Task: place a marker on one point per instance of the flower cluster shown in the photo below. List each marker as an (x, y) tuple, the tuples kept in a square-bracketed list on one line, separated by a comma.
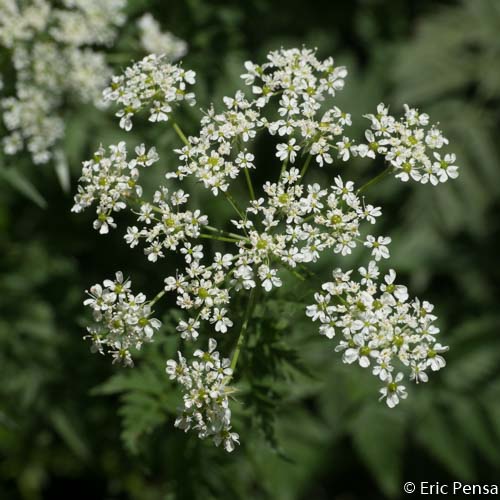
[(206, 398), (379, 326), (123, 320), (165, 226), (276, 231), (285, 224), (111, 180), (155, 41), (51, 53), (407, 144), (302, 82), (58, 51), (152, 83)]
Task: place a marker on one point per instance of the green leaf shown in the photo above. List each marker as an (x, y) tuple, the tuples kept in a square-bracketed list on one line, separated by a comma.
[(474, 426), (65, 428), (141, 414), (378, 435), (62, 171), (23, 185), (143, 379), (439, 438), (472, 367)]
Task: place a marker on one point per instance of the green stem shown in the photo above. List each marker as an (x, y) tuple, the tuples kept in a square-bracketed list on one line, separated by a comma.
[(180, 133), (342, 300), (157, 298), (295, 273), (305, 167), (119, 58), (233, 204), (376, 179), (244, 327), (218, 238), (249, 183), (224, 233), (283, 167)]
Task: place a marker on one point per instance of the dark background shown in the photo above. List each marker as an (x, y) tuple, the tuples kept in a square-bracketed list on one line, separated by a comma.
[(59, 436)]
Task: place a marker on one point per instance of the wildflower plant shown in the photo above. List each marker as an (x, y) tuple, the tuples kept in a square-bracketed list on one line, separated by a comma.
[(274, 233), (59, 52)]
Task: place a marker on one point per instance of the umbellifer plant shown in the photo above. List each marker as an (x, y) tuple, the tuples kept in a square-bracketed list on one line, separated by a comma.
[(276, 231)]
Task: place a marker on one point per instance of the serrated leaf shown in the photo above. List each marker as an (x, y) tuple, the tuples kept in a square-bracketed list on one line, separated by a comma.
[(141, 414)]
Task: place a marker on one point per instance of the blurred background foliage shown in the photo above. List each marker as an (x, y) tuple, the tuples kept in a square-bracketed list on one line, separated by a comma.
[(70, 424)]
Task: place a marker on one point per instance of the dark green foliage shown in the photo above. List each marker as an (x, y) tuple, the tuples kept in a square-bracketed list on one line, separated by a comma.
[(311, 427)]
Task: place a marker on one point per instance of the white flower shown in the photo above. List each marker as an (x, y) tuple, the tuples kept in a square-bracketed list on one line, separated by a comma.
[(192, 253), (123, 320), (287, 151), (205, 402), (132, 237), (406, 144), (346, 148), (222, 323), (269, 278), (152, 76), (361, 352), (320, 150), (393, 392), (159, 113), (154, 41), (375, 326), (286, 222), (189, 329), (378, 246), (399, 291), (436, 362), (444, 168), (56, 55)]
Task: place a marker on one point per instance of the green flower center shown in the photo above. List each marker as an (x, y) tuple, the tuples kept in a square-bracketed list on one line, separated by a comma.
[(398, 341), (261, 244)]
